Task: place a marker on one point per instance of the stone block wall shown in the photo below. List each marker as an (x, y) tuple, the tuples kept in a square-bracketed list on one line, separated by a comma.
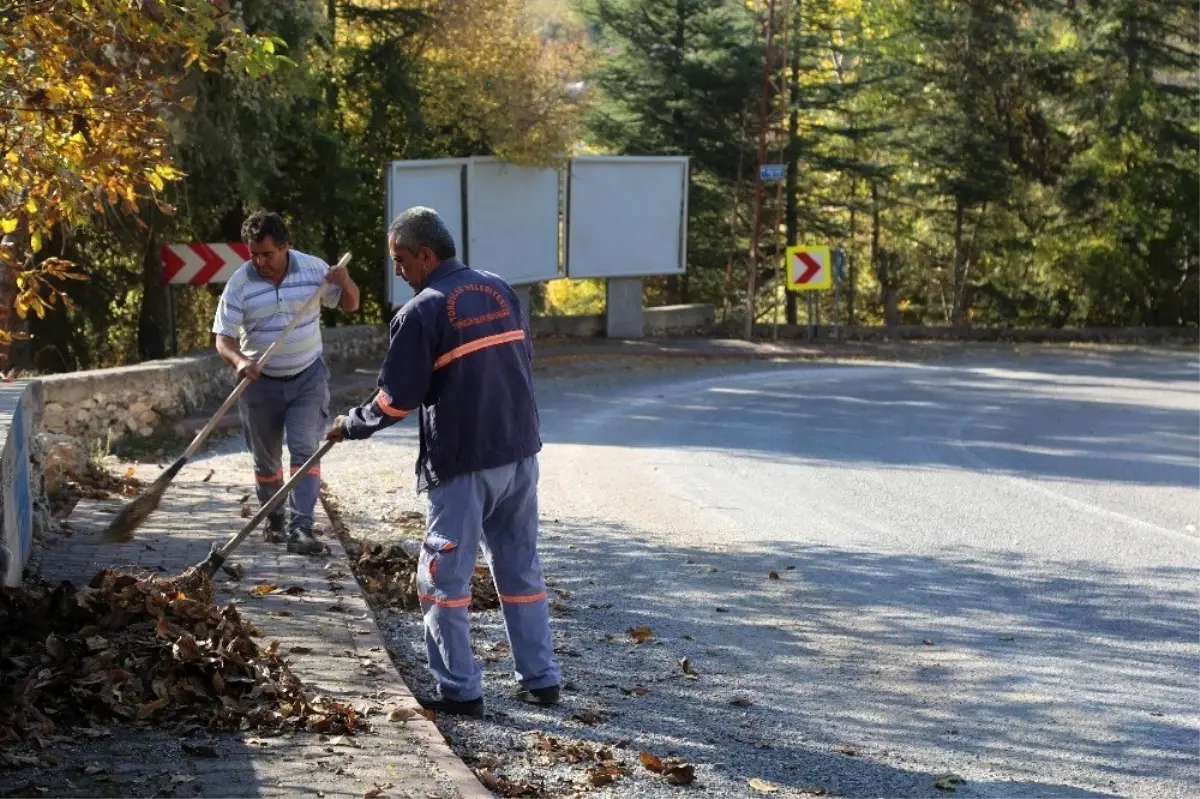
[(108, 405)]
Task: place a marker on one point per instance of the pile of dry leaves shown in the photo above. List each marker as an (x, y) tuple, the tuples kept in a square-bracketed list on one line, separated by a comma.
[(126, 649), (389, 576), (92, 482)]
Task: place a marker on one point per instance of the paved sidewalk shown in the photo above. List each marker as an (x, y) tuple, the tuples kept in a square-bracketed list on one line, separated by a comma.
[(325, 629)]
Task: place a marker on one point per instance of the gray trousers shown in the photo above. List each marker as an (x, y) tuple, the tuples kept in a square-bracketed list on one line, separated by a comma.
[(498, 509), (298, 409)]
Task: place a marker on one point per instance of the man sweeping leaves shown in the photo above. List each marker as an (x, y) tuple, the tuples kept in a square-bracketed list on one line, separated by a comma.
[(289, 397), (459, 355)]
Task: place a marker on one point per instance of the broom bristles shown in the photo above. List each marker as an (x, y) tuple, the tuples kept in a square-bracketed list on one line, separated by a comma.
[(130, 517)]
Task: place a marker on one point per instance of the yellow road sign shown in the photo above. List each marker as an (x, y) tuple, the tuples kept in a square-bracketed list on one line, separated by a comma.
[(809, 268)]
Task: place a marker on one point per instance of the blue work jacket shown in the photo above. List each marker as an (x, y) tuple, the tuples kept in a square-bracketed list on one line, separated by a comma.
[(460, 355)]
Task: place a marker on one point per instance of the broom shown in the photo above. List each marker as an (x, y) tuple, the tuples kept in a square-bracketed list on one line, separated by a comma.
[(196, 581), (130, 517)]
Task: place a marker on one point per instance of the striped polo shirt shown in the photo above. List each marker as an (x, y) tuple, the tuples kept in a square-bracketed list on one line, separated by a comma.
[(255, 311)]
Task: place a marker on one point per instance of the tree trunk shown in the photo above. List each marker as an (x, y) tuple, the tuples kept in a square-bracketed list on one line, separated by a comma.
[(960, 258), (850, 252), (153, 317), (793, 147), (885, 265)]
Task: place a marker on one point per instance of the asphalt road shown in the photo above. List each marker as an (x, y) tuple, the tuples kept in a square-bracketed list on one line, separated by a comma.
[(986, 566)]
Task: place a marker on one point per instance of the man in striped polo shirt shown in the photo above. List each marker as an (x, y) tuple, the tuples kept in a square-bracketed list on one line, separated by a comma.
[(290, 395)]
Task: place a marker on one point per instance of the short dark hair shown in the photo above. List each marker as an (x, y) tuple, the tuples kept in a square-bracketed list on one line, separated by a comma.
[(422, 227), (261, 224)]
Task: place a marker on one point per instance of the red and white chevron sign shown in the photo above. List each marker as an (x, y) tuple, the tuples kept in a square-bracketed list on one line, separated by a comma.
[(198, 264)]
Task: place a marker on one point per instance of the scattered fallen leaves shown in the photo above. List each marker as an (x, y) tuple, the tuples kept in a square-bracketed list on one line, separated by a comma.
[(605, 773), (125, 649), (262, 590), (676, 771), (762, 786), (401, 714), (640, 634), (562, 750), (504, 787), (948, 781), (246, 512), (772, 575), (389, 576)]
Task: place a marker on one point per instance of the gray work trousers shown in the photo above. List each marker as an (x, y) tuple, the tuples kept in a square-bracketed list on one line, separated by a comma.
[(497, 508), (298, 408)]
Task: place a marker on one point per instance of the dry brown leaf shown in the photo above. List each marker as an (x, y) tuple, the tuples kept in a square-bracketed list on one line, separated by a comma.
[(679, 773), (651, 762), (587, 717), (640, 634), (130, 471), (295, 590), (148, 709), (246, 514), (262, 590), (772, 575), (605, 773), (378, 791), (762, 786), (686, 665), (401, 714)]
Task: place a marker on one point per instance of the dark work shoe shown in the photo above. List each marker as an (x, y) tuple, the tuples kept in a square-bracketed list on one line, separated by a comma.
[(540, 696), (472, 708), (301, 542), (273, 534)]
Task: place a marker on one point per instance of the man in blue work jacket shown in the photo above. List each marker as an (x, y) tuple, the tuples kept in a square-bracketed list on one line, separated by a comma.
[(459, 355)]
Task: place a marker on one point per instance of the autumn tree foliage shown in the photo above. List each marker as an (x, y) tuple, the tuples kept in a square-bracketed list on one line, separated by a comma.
[(84, 89)]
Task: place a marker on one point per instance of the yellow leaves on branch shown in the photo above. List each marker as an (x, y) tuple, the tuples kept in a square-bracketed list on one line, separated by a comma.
[(85, 86), (487, 70)]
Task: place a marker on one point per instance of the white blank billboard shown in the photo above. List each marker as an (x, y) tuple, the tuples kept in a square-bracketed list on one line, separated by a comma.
[(513, 220), (436, 184), (627, 216)]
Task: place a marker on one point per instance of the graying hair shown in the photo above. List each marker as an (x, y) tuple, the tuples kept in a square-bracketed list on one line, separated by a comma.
[(422, 227)]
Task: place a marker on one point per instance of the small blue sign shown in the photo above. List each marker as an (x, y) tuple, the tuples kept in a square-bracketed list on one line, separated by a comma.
[(839, 264), (771, 172)]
